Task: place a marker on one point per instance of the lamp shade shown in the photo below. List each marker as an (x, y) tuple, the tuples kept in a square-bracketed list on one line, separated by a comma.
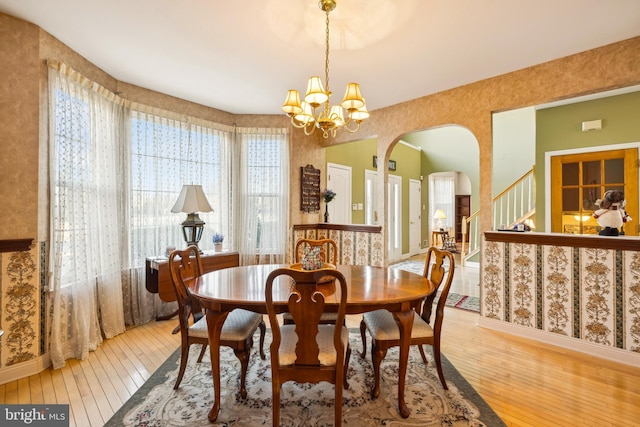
[(306, 115), (360, 114), (315, 92), (352, 98), (191, 199), (337, 116), (291, 104), (439, 214)]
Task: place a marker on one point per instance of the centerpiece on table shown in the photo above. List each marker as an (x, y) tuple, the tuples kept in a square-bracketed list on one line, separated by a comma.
[(218, 238), (327, 196)]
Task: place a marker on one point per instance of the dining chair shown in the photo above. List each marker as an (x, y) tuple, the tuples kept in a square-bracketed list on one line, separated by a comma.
[(328, 249), (385, 333), (448, 241), (308, 351), (237, 330), (329, 254)]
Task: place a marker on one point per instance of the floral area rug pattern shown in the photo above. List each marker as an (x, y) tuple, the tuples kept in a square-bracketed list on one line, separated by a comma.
[(464, 302), (158, 404)]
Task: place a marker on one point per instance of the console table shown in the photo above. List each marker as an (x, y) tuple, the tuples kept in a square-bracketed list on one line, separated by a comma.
[(158, 278)]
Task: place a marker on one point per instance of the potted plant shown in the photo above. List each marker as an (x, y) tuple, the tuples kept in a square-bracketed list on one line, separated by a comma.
[(218, 238), (327, 196)]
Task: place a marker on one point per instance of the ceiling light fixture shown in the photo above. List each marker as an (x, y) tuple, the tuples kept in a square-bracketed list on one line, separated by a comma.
[(308, 116)]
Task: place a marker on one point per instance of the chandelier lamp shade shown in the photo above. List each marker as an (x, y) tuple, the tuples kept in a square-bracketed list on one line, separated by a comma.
[(315, 112), (191, 201)]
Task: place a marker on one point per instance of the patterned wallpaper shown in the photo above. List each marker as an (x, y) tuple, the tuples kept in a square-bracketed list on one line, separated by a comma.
[(20, 304), (585, 293), (354, 247)]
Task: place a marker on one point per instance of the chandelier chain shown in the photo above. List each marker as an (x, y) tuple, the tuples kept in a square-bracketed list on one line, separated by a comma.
[(326, 62), (316, 112)]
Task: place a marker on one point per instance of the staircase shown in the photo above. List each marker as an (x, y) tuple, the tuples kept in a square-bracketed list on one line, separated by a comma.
[(513, 205)]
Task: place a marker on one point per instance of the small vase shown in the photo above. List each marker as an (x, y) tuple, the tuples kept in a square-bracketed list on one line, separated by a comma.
[(217, 247), (326, 212)]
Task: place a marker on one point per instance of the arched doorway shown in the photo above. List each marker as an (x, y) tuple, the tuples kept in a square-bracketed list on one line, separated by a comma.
[(450, 150)]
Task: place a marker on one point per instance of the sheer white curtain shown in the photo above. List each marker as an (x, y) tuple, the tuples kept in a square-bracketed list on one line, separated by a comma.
[(263, 189), (442, 190), (86, 165), (165, 154), (116, 169)]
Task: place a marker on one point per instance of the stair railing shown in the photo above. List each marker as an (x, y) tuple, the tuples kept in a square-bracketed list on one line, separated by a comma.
[(514, 204)]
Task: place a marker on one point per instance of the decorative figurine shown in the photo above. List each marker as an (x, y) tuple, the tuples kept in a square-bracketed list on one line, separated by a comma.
[(611, 215)]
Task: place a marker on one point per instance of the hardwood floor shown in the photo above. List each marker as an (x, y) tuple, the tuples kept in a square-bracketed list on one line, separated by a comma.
[(526, 382), (97, 387), (466, 280)]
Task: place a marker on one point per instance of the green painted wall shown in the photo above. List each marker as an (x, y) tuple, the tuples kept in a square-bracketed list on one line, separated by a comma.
[(359, 156), (407, 167), (448, 148), (560, 128), (514, 128)]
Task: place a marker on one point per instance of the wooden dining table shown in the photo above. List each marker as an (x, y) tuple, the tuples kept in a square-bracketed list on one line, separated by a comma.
[(369, 288)]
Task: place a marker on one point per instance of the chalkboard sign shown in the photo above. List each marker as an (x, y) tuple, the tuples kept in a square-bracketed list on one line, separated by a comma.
[(309, 189)]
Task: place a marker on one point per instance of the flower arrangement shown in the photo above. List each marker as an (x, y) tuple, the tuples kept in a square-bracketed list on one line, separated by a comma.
[(218, 237), (328, 195)]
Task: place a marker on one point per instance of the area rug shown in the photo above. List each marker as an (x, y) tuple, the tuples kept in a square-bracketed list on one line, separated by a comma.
[(156, 403), (463, 302)]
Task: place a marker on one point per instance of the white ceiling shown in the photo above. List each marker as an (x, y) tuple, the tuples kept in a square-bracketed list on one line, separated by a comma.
[(241, 56)]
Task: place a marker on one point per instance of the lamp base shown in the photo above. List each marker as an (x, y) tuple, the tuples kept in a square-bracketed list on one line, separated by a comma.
[(192, 228)]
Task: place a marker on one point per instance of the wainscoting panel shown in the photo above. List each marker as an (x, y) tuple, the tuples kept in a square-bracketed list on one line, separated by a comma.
[(597, 276), (357, 245), (20, 302), (492, 278), (631, 302), (523, 280), (584, 293), (557, 279)]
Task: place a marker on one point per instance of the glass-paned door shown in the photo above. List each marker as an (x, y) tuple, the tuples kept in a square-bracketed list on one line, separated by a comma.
[(579, 180)]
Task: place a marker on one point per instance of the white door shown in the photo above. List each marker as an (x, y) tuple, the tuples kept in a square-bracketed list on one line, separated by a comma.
[(415, 226), (394, 217), (339, 180), (370, 191)]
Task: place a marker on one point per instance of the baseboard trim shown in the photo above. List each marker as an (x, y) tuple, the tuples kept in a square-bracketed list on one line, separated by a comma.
[(25, 369), (609, 353)]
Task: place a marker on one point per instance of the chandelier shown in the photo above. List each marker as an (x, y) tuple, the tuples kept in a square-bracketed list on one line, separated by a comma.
[(315, 111)]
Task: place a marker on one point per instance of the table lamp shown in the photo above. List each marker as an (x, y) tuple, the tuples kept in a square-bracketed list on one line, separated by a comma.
[(191, 201), (439, 215)]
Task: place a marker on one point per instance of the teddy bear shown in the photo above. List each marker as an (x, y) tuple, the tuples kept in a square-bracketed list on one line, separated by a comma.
[(611, 214)]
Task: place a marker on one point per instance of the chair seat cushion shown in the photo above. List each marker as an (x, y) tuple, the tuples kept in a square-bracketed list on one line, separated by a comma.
[(383, 327), (312, 260), (324, 339), (238, 326)]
